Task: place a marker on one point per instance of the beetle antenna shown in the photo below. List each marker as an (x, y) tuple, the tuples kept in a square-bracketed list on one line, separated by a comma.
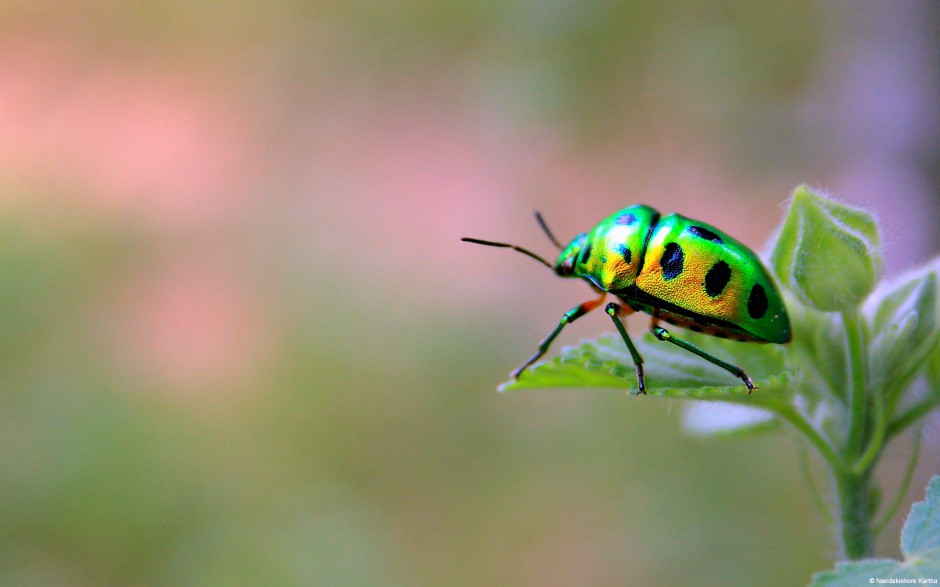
[(551, 237), (509, 246)]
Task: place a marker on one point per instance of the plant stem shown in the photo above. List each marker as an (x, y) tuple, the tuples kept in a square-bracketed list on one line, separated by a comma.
[(853, 478), (856, 384), (790, 415), (854, 494), (912, 415), (877, 437)]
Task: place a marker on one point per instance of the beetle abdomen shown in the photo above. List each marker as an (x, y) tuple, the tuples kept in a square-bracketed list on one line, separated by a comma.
[(704, 273)]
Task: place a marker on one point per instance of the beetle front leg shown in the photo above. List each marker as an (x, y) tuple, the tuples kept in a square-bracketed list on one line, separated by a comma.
[(568, 317), (614, 310), (663, 334)]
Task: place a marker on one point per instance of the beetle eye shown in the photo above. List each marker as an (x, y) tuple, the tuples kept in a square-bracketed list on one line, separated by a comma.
[(585, 254)]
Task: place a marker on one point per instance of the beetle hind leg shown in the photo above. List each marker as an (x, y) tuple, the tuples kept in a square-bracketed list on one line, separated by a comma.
[(664, 335)]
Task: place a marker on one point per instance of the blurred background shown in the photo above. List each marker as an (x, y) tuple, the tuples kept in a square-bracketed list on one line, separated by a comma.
[(241, 343)]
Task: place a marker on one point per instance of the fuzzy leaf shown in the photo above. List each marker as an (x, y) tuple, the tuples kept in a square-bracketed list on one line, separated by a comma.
[(880, 300), (920, 545), (670, 371), (827, 252), (933, 372), (904, 328), (819, 347), (591, 364)]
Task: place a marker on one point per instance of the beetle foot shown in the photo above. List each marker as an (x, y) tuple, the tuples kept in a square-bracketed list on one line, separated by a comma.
[(748, 383)]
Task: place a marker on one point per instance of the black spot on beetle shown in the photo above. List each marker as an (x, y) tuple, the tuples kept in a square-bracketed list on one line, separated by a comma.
[(757, 302), (626, 219), (717, 278), (585, 253), (720, 334), (695, 328), (671, 261), (702, 232), (627, 254)]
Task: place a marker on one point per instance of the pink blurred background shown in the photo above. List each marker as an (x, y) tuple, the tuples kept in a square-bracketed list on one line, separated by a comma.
[(244, 221)]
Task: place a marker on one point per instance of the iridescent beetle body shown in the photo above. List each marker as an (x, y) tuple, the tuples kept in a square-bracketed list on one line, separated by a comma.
[(676, 269)]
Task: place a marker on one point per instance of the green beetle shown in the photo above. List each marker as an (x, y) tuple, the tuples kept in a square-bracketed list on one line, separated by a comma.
[(677, 270)]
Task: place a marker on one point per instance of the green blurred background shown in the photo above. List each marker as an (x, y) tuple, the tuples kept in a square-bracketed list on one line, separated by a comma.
[(241, 344)]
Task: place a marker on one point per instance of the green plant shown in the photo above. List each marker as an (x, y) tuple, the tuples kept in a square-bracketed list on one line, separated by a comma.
[(920, 545), (862, 369)]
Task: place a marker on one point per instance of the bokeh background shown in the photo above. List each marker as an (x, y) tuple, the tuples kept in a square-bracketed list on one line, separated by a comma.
[(241, 343)]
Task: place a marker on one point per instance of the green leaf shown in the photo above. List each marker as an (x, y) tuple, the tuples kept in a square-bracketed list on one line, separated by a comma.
[(827, 252), (670, 371), (932, 362), (921, 534), (933, 372), (920, 545), (591, 364), (903, 320), (819, 347)]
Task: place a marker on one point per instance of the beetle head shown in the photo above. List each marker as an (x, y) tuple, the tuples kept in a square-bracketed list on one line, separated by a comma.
[(568, 258)]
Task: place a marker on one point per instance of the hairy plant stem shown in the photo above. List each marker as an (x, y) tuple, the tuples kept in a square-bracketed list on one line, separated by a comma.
[(790, 415), (911, 416), (853, 479), (858, 400), (854, 495)]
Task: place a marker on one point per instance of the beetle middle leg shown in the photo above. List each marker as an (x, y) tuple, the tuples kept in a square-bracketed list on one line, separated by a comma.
[(663, 334), (614, 311), (568, 317)]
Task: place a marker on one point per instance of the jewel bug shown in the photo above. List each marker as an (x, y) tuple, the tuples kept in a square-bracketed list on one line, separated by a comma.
[(677, 270)]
